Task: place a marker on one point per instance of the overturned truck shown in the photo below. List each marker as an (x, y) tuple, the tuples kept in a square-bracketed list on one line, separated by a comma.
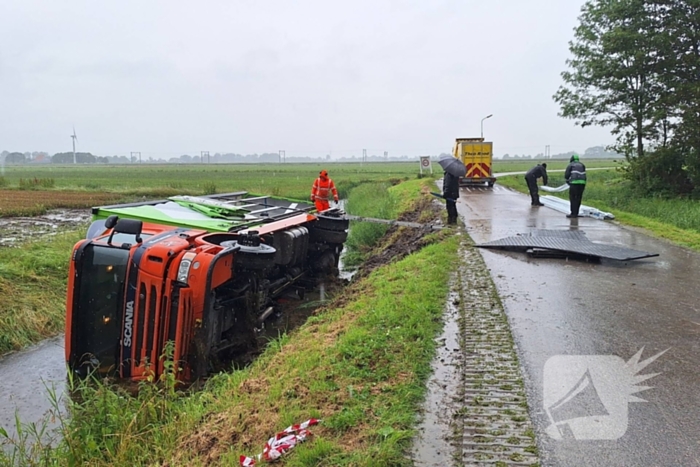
[(193, 274)]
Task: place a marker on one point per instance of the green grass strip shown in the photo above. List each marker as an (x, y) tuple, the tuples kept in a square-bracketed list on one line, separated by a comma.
[(33, 280)]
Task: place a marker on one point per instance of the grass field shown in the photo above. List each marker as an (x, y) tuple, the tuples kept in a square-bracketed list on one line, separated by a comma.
[(521, 166), (290, 179), (30, 190), (34, 202), (33, 281)]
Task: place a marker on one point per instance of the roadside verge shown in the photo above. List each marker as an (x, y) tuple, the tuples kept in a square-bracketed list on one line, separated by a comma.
[(476, 402)]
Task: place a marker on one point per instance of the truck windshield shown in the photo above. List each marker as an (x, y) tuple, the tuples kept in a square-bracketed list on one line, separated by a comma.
[(97, 318)]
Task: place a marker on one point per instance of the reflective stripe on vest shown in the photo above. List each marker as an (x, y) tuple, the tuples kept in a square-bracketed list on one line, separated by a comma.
[(322, 189)]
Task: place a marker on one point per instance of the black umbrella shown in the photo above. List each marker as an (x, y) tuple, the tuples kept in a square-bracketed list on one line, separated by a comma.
[(452, 165)]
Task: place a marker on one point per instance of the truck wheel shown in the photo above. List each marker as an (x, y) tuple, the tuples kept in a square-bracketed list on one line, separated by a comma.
[(331, 223), (328, 236)]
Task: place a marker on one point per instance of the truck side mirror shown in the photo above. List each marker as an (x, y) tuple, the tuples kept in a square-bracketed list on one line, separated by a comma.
[(127, 226), (111, 221)]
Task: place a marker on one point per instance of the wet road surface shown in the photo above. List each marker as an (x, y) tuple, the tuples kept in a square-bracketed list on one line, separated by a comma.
[(605, 312), (25, 380)]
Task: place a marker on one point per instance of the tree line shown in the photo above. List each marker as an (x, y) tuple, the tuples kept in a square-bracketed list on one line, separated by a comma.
[(216, 158), (635, 67)]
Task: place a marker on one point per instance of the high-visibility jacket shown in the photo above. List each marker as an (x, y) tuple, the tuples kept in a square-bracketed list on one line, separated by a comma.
[(575, 174), (322, 188)]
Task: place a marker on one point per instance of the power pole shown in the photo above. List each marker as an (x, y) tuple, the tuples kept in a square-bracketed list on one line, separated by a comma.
[(364, 156), (134, 155), (203, 154)]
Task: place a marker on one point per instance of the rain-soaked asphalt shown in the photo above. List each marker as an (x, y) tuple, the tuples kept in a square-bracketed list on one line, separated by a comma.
[(599, 315)]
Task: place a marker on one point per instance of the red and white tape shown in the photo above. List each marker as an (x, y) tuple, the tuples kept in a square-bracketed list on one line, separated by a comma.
[(281, 443)]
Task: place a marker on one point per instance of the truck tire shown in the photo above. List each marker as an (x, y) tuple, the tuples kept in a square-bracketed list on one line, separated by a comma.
[(331, 223), (320, 235)]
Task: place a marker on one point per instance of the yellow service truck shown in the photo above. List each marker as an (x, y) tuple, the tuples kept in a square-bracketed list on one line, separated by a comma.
[(477, 156)]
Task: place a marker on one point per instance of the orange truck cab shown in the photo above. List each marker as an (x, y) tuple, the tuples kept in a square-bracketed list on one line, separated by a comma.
[(195, 275)]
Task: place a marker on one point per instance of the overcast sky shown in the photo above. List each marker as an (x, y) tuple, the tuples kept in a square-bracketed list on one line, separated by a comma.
[(311, 77)]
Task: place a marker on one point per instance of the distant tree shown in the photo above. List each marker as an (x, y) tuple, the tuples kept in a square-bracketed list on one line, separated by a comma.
[(682, 27), (15, 158), (613, 77), (80, 158)]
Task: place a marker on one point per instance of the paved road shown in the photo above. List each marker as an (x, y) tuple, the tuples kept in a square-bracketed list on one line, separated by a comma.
[(607, 312)]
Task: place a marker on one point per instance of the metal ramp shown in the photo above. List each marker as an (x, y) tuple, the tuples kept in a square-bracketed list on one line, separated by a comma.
[(567, 241)]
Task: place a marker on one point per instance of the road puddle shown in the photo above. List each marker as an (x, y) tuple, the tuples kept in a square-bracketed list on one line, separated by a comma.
[(432, 446)]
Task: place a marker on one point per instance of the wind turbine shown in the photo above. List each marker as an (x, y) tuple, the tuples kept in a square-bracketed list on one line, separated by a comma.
[(74, 137)]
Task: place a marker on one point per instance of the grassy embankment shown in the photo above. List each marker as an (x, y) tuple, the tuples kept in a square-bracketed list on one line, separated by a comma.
[(32, 290), (677, 220), (359, 364)]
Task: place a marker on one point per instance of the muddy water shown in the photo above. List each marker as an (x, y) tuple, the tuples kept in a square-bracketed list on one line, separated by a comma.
[(14, 230), (26, 377), (558, 307)]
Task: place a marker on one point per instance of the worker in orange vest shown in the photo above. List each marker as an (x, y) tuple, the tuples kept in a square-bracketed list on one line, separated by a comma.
[(323, 187)]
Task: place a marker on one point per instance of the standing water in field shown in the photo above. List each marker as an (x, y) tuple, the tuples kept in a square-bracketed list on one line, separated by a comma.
[(14, 230)]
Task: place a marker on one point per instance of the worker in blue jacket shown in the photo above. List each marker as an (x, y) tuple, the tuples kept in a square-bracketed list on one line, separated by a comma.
[(575, 176)]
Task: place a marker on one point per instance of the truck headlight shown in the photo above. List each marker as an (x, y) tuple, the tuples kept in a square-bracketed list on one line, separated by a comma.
[(183, 271)]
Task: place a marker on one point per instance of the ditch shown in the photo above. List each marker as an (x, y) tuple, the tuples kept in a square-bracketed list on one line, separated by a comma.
[(33, 381)]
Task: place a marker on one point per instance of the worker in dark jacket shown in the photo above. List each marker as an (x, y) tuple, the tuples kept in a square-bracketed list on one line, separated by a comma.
[(538, 171), (575, 176), (450, 191)]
